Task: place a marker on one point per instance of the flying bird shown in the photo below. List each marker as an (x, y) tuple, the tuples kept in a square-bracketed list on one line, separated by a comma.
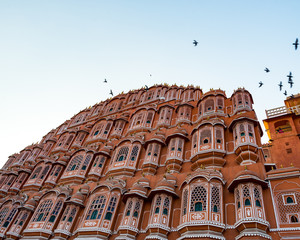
[(296, 44), (146, 87), (292, 95), (290, 76), (111, 93), (195, 43), (267, 70), (260, 83), (280, 85), (285, 93), (150, 75), (105, 80), (291, 83)]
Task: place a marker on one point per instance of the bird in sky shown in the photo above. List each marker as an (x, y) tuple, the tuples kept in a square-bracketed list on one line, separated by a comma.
[(111, 93), (296, 44), (260, 83), (285, 93), (280, 85), (150, 75), (267, 70), (146, 87), (105, 80), (290, 76), (292, 95), (291, 82), (195, 43)]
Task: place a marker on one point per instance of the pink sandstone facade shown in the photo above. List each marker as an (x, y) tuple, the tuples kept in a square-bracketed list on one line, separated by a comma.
[(165, 163)]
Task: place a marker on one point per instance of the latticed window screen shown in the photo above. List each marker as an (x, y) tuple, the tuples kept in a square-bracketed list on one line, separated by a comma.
[(166, 206), (199, 197), (134, 152), (75, 163), (136, 209), (285, 209), (209, 105), (10, 217), (157, 204), (3, 213), (98, 129), (36, 172), (70, 138), (239, 97), (65, 214), (242, 128), (220, 103), (215, 199), (86, 161), (128, 210), (96, 208), (246, 99), (111, 208), (149, 117), (45, 171), (257, 197), (246, 196), (72, 214), (55, 211), (22, 218), (237, 198), (185, 202), (179, 145), (195, 140), (205, 136), (43, 211), (122, 154)]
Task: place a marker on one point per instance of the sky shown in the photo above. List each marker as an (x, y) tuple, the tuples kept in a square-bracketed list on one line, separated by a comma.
[(54, 55)]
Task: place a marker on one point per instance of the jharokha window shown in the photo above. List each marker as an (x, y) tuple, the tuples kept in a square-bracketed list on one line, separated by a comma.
[(101, 210), (165, 116), (153, 151), (126, 156), (39, 174), (141, 119), (202, 201), (249, 202), (132, 213), (161, 207), (100, 131), (78, 165), (244, 133), (282, 126)]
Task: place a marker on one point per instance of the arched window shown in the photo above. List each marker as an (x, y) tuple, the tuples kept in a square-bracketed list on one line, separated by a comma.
[(55, 211), (257, 203), (185, 202), (45, 171), (134, 153), (43, 211), (3, 213), (166, 206), (209, 105), (110, 209), (289, 200), (86, 162), (215, 199), (198, 199), (294, 219), (205, 136), (136, 209), (72, 214), (75, 163), (10, 217), (128, 210), (247, 202), (97, 203), (157, 204), (36, 173), (122, 154)]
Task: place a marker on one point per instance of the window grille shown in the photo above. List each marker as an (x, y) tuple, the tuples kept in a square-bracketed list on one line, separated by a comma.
[(149, 117), (136, 209), (185, 202), (75, 163), (128, 210), (43, 211), (36, 173), (285, 209), (134, 153), (3, 213), (72, 214), (199, 195), (96, 208), (111, 208), (55, 211), (45, 171), (166, 206), (22, 219), (205, 135), (215, 199), (157, 204), (86, 162), (65, 214), (10, 217), (122, 154)]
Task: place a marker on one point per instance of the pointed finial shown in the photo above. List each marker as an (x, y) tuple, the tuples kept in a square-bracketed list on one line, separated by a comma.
[(272, 168), (281, 166), (245, 167), (292, 165)]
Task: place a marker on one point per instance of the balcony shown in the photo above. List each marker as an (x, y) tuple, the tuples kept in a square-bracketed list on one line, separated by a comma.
[(282, 111)]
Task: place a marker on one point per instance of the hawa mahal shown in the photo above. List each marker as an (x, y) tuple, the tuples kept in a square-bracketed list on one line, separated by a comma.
[(166, 162)]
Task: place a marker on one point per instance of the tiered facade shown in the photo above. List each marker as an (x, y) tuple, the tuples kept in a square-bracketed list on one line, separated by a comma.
[(166, 162)]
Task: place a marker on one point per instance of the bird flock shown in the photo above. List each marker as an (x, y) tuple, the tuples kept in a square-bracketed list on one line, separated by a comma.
[(267, 70), (289, 76)]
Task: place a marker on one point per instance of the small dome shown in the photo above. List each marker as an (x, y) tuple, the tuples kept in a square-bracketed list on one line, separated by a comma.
[(78, 198)]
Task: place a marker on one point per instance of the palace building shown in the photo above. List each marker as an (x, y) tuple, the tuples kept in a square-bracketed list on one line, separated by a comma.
[(166, 162)]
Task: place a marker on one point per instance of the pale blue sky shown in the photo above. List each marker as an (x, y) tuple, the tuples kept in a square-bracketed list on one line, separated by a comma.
[(54, 55)]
